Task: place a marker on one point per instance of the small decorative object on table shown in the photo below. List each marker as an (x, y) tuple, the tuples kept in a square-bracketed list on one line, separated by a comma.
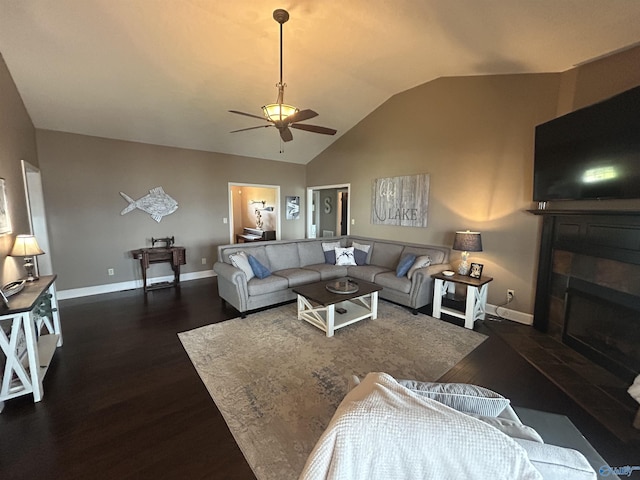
[(343, 286), (168, 241), (476, 270)]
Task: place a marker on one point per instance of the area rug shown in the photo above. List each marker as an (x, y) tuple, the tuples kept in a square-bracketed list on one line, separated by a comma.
[(278, 380)]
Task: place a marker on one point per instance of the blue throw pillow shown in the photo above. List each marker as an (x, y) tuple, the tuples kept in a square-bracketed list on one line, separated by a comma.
[(360, 256), (330, 257), (259, 270), (403, 265)]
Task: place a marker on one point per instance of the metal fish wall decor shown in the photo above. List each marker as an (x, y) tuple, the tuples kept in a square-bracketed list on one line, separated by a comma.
[(157, 204)]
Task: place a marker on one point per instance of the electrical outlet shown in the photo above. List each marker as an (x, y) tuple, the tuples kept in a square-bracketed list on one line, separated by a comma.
[(510, 295), (204, 261), (110, 271)]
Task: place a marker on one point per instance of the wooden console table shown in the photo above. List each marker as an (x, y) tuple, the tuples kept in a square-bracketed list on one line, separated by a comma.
[(176, 256), (27, 350)]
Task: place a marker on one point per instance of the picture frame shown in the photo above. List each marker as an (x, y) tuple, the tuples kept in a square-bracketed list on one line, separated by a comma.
[(5, 221), (293, 207), (476, 270)]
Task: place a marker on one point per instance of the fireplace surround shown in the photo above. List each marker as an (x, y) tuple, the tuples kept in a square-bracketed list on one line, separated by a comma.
[(588, 285)]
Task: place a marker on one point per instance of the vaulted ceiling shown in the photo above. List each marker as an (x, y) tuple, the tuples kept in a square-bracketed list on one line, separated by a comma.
[(166, 72)]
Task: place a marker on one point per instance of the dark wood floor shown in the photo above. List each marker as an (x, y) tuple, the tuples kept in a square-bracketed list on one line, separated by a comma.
[(122, 399)]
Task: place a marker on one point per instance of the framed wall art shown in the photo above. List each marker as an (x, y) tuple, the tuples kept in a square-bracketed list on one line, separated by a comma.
[(5, 222), (401, 201), (293, 208), (476, 270)]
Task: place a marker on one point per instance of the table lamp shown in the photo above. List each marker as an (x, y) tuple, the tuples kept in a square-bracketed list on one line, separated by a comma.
[(27, 247), (467, 242)]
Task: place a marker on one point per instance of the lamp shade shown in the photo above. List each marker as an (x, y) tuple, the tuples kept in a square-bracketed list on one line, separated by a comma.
[(468, 241), (25, 246)]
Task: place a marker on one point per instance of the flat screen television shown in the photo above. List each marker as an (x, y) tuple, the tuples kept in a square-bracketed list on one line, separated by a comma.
[(592, 153)]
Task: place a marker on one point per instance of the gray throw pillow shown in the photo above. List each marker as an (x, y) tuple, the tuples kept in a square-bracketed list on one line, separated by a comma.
[(510, 427), (421, 262), (463, 397)]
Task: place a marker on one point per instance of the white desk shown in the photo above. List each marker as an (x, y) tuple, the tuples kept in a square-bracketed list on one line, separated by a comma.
[(27, 350), (476, 300)]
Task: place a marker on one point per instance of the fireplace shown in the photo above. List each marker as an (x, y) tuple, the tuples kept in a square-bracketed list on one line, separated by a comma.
[(588, 285), (604, 325)]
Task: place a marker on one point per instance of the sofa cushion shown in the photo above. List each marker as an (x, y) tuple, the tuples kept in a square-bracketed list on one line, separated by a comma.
[(327, 271), (240, 260), (329, 251), (299, 276), (272, 283), (310, 253), (404, 264), (344, 256), (283, 256), (392, 281), (557, 462), (366, 272), (420, 262), (386, 254), (463, 397), (259, 270)]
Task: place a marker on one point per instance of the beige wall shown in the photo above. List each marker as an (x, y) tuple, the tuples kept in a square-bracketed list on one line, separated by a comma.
[(83, 176), (17, 142), (474, 136)]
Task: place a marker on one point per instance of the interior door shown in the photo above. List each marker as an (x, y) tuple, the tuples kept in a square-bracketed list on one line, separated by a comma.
[(37, 216)]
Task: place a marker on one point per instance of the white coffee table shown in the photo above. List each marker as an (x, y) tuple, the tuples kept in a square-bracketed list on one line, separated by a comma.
[(324, 309)]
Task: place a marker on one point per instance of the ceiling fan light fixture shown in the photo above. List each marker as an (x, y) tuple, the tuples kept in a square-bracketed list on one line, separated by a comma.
[(278, 112)]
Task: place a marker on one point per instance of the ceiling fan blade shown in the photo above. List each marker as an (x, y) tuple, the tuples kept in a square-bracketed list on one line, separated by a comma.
[(301, 115), (314, 128), (250, 128), (249, 115), (285, 134)]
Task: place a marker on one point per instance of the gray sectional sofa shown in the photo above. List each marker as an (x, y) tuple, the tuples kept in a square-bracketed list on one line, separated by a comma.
[(297, 262)]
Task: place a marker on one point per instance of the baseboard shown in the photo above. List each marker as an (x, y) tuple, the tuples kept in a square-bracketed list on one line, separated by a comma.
[(130, 285), (513, 315)]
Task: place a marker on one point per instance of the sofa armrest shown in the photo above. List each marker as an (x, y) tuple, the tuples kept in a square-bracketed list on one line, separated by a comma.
[(230, 272), (232, 285), (422, 284)]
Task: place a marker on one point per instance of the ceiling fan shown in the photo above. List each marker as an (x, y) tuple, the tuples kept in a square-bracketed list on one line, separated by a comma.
[(279, 114)]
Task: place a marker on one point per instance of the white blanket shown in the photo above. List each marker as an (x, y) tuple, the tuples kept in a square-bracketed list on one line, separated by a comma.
[(382, 430)]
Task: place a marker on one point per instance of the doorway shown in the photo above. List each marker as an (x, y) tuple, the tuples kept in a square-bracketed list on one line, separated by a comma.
[(253, 206), (37, 216), (328, 210)]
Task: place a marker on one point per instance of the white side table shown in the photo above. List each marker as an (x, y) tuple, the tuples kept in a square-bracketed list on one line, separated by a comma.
[(25, 348), (476, 301)]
